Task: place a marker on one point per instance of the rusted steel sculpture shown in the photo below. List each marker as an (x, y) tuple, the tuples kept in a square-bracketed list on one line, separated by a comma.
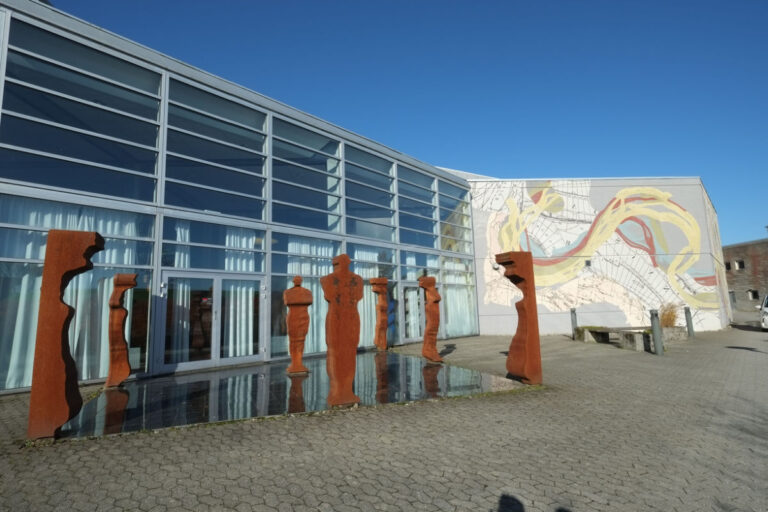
[(119, 366), (298, 300), (55, 397), (296, 393), (429, 376), (382, 377), (432, 311), (379, 287), (342, 289), (524, 358)]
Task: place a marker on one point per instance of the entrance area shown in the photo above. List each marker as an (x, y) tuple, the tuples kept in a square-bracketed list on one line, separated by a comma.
[(209, 319)]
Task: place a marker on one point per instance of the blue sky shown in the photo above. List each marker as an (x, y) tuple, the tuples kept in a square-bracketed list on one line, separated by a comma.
[(519, 89)]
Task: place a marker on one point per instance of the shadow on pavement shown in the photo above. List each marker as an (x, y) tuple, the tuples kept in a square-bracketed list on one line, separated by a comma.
[(447, 349), (508, 503), (747, 327), (751, 349)]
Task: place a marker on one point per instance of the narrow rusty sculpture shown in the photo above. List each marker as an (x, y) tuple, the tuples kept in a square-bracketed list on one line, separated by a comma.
[(342, 289), (55, 397), (296, 394), (429, 376), (524, 358), (119, 365), (432, 311), (379, 287), (382, 377), (298, 300)]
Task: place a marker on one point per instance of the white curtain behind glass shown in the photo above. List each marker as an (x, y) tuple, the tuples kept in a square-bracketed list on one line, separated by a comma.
[(89, 342), (239, 296), (182, 297)]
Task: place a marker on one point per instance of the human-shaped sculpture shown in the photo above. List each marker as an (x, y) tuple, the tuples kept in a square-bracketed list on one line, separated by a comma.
[(379, 287), (342, 289), (55, 397), (119, 365), (432, 310), (298, 300), (524, 357)]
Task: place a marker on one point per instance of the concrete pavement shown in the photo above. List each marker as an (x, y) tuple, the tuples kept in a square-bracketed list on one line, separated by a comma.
[(611, 430)]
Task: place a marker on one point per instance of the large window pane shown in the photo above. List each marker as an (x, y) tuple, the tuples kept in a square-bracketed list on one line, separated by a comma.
[(370, 253), (302, 265), (454, 204), (39, 213), (455, 231), (452, 190), (305, 157), (370, 212), (293, 173), (305, 137), (415, 207), (372, 195), (182, 230), (369, 270), (305, 245), (17, 165), (212, 201), (419, 223), (32, 102), (419, 259), (371, 178), (217, 153), (191, 256), (364, 158), (454, 217), (450, 244), (404, 189), (64, 50), (305, 218), (240, 318), (370, 230), (216, 105), (414, 177), (417, 238), (196, 172), (210, 127), (44, 74), (42, 137), (304, 197)]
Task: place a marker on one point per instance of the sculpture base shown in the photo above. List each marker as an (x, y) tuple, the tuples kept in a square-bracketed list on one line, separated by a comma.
[(297, 371), (343, 401)]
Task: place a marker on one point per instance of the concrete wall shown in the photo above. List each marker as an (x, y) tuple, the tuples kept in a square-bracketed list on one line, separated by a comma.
[(611, 248), (754, 275)]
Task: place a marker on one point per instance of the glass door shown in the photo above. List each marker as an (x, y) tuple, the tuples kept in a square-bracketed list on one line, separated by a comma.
[(209, 320), (413, 308)]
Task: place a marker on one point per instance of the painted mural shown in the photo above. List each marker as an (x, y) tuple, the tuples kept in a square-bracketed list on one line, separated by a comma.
[(630, 247)]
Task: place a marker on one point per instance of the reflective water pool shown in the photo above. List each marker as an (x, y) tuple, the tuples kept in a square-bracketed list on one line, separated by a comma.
[(266, 390)]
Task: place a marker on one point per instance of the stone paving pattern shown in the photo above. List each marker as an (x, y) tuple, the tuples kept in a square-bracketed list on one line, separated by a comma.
[(611, 430)]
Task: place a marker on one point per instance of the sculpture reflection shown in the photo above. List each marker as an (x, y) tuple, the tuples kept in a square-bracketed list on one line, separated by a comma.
[(296, 393), (382, 377), (114, 416), (429, 375)]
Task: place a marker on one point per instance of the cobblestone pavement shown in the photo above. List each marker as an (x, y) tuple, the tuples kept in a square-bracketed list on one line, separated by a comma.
[(612, 430)]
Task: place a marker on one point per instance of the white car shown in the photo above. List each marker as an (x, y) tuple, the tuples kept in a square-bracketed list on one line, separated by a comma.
[(764, 313)]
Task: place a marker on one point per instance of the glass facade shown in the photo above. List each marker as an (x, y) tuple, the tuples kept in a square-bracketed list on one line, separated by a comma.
[(215, 196)]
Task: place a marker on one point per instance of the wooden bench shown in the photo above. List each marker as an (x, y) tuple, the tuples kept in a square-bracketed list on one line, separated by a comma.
[(635, 338)]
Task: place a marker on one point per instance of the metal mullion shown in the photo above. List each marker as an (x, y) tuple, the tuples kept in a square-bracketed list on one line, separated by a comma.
[(21, 260), (5, 25), (302, 146), (307, 187), (86, 73), (76, 160), (215, 116), (289, 229), (6, 225), (301, 206), (122, 265), (211, 139), (80, 130), (372, 222), (81, 100), (267, 215), (302, 166), (212, 164), (206, 187), (419, 231), (198, 216)]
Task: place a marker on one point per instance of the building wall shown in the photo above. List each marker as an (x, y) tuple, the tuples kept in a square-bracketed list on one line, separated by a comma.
[(751, 277), (611, 248)]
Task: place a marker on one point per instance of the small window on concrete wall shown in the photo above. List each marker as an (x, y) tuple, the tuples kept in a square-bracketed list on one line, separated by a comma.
[(739, 264), (727, 265), (752, 294)]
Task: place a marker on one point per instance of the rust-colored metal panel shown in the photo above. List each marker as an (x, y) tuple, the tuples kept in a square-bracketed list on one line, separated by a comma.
[(119, 365), (524, 358), (55, 397)]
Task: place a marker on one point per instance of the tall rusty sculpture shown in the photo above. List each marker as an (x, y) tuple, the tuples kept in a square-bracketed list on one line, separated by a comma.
[(55, 397), (119, 366), (379, 287), (298, 299), (342, 289), (432, 311), (524, 358)]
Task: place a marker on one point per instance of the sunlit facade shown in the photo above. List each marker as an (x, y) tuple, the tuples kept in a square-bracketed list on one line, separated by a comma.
[(214, 195)]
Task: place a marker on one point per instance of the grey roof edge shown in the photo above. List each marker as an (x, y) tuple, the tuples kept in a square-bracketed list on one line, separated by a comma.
[(72, 24), (692, 179), (744, 244)]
